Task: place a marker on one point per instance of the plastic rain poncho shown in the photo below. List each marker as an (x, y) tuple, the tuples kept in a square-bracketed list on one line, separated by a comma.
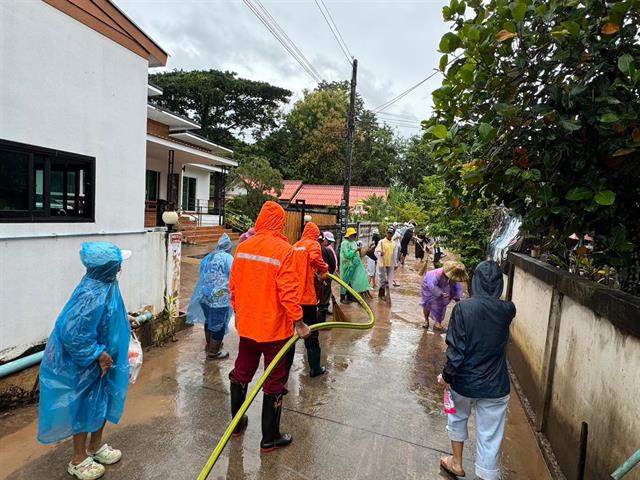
[(435, 286), (74, 397), (351, 268), (212, 290)]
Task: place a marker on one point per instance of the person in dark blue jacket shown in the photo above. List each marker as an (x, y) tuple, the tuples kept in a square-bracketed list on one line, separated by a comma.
[(476, 371)]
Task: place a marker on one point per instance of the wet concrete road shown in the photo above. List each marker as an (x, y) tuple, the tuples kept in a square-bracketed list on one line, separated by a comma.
[(375, 415)]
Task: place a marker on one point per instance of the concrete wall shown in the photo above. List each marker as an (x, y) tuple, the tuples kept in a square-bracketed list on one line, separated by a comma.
[(65, 86), (588, 369), (38, 276), (528, 335)]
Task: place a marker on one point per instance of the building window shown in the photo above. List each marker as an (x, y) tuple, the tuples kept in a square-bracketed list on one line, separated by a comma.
[(44, 185), (152, 186)]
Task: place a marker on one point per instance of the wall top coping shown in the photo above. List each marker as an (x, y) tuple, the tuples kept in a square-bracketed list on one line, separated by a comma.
[(620, 308)]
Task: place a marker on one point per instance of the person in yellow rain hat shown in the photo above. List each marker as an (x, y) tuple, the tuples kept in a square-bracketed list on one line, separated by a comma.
[(352, 270)]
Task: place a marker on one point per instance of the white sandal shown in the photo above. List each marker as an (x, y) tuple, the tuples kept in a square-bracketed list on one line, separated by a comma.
[(106, 455), (86, 470)]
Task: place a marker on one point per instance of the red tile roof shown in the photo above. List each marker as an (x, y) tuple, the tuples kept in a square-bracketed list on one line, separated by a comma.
[(331, 195), (291, 187)]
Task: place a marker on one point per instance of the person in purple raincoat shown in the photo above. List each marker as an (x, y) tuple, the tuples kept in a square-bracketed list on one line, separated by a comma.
[(439, 287), (248, 234)]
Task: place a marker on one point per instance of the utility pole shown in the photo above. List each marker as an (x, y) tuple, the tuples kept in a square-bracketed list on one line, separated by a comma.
[(351, 130)]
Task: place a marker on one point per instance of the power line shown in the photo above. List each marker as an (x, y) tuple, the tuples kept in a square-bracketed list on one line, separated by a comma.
[(284, 34), (416, 127), (402, 124), (401, 115), (288, 45), (388, 103), (336, 33), (337, 29), (399, 120), (396, 116)]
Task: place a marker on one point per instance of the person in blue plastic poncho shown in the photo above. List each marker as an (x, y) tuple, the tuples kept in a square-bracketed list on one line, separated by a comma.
[(211, 302), (85, 369)]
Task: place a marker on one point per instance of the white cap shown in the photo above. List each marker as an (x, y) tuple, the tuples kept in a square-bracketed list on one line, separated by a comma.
[(126, 254), (329, 236)]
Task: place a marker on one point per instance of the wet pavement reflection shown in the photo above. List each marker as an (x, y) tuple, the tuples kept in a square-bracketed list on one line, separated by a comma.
[(376, 414)]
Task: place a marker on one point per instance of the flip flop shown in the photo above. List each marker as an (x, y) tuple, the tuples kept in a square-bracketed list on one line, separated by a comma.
[(445, 465)]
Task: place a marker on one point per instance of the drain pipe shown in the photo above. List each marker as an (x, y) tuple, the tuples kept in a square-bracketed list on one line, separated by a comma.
[(627, 466), (23, 363), (20, 364)]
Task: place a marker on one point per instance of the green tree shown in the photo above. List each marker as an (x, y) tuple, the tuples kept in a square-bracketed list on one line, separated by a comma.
[(466, 232), (313, 138), (413, 163), (375, 208), (261, 182), (227, 107), (403, 206), (540, 110), (432, 199), (375, 153), (311, 145)]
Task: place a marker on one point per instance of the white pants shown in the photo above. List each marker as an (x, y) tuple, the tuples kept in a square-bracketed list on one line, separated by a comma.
[(385, 274), (491, 414), (371, 267)]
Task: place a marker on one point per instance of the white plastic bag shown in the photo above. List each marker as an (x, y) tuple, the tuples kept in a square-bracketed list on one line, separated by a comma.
[(135, 358)]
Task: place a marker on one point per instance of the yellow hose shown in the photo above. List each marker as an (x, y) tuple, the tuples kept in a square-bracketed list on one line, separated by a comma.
[(252, 395)]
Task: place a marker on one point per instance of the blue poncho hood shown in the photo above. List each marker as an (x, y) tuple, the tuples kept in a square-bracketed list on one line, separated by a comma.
[(224, 244), (74, 397), (212, 289)]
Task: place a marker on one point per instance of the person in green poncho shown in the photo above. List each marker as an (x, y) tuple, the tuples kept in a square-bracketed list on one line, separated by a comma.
[(352, 270)]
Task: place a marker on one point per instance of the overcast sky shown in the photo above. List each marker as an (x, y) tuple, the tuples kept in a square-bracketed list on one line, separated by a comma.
[(395, 42)]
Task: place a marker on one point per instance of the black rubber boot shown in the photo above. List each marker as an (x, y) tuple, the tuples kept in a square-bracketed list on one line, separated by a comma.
[(315, 368), (207, 337), (381, 292), (238, 394), (323, 311), (272, 439), (215, 351)]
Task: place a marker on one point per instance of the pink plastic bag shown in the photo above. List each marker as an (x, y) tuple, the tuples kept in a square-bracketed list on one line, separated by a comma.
[(135, 358), (449, 406)]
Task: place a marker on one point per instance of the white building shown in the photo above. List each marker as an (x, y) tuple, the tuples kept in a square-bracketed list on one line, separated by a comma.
[(183, 168), (73, 141)]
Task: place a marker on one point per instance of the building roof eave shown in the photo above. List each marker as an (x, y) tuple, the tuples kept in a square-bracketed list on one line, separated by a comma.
[(199, 140), (104, 17), (169, 118), (206, 156)]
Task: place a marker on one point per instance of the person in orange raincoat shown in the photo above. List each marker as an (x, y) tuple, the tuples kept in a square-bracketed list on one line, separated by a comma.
[(308, 260), (264, 288)]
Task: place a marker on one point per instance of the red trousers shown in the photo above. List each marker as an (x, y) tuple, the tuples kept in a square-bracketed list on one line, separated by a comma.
[(249, 353)]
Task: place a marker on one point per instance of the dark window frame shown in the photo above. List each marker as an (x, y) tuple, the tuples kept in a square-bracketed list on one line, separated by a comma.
[(146, 192), (33, 215)]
